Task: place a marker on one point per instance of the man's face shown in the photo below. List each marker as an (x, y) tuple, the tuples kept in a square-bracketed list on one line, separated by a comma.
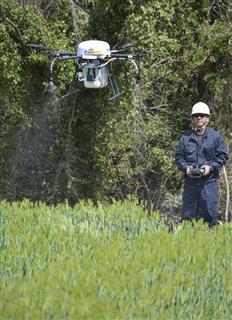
[(200, 120)]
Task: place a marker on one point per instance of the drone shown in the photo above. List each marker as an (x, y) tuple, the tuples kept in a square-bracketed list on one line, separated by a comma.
[(94, 63)]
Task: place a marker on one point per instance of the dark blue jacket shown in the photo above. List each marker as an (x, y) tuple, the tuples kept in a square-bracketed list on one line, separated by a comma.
[(210, 151)]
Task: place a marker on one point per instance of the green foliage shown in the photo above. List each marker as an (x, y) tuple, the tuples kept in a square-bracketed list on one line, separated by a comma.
[(23, 101), (110, 262)]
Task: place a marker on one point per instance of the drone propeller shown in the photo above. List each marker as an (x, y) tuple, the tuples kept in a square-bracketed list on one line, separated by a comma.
[(35, 46), (129, 56), (145, 51), (126, 47), (52, 53)]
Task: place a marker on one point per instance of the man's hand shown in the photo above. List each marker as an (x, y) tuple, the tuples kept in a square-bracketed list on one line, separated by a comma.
[(207, 169), (189, 170)]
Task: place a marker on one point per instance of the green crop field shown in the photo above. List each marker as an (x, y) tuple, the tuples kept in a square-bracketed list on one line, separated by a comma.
[(111, 262)]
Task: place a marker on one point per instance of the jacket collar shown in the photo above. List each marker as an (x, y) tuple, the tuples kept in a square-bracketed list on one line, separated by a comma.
[(193, 135)]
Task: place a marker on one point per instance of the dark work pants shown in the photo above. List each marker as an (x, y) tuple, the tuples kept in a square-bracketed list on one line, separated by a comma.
[(200, 201)]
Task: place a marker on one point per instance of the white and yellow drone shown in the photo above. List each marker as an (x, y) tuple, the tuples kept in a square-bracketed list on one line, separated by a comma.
[(94, 58)]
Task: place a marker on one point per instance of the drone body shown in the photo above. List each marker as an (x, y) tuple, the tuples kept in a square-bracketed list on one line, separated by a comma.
[(94, 59), (92, 71)]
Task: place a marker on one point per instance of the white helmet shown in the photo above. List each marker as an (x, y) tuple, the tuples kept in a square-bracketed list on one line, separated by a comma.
[(200, 107)]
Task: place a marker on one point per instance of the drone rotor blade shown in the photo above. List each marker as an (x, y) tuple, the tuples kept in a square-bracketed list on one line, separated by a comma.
[(50, 53), (66, 53), (130, 44), (145, 51), (42, 48), (126, 46), (35, 46)]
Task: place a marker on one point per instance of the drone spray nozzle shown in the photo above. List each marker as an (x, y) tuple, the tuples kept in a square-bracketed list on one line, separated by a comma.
[(51, 88)]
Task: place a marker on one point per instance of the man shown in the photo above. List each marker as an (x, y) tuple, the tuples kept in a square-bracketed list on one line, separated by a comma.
[(200, 154)]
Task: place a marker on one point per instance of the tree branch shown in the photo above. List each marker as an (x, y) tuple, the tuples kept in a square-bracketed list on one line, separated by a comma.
[(13, 25), (74, 18)]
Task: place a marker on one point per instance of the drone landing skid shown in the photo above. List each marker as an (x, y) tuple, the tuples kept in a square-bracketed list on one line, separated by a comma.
[(114, 85), (116, 96)]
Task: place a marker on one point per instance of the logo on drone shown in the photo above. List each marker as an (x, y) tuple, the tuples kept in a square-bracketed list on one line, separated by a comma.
[(93, 51)]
